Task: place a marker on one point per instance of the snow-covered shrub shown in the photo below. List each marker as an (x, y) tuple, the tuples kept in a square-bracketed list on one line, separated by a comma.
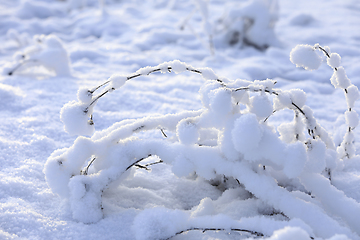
[(206, 27), (250, 22), (47, 51), (287, 168)]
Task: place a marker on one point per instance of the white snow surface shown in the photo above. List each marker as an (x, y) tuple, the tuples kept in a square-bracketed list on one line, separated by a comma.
[(70, 47)]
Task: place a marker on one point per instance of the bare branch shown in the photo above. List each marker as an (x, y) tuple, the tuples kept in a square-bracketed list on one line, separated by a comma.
[(137, 161), (86, 170)]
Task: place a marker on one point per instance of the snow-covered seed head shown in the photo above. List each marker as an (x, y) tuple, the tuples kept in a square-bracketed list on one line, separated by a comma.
[(352, 95), (305, 56), (352, 119), (117, 81), (247, 133), (298, 97), (339, 79), (84, 95), (208, 74), (240, 96), (187, 132), (206, 92), (177, 66), (220, 101), (334, 60), (76, 119), (18, 56), (261, 106), (283, 100)]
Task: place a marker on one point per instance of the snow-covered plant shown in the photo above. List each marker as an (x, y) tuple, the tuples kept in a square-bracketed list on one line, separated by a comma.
[(287, 167), (47, 51), (247, 23), (202, 7), (307, 57), (251, 23)]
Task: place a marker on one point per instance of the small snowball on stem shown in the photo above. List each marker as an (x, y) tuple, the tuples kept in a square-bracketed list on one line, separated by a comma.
[(117, 81), (208, 74), (247, 133), (187, 132), (339, 78), (178, 67), (298, 97), (76, 119), (261, 106), (220, 101), (84, 95), (352, 118), (305, 56), (352, 95), (334, 60)]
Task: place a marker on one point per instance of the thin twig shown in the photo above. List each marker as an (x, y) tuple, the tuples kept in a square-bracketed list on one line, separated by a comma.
[(21, 64), (101, 85), (162, 131), (326, 53), (141, 166), (218, 229), (347, 155), (298, 108), (137, 161), (135, 76), (85, 172), (97, 98), (269, 116), (150, 164), (139, 128), (146, 165)]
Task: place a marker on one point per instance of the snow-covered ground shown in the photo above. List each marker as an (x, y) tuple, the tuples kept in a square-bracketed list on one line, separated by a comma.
[(124, 36)]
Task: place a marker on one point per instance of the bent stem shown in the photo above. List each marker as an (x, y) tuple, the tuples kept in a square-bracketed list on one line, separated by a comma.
[(86, 170), (350, 129), (297, 108), (258, 234), (135, 75), (20, 65), (311, 131)]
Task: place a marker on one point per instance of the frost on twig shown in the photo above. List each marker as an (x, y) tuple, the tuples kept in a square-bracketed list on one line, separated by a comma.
[(229, 136)]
